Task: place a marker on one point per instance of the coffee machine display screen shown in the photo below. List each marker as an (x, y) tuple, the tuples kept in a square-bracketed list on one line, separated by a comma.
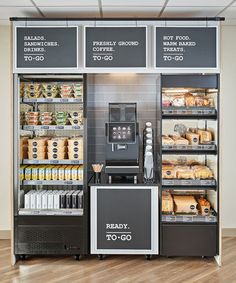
[(122, 133)]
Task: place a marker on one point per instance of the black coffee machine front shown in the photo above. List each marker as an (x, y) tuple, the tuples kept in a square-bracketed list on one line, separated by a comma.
[(122, 142)]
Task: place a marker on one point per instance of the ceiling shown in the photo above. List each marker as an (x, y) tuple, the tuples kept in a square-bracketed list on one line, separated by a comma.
[(117, 8)]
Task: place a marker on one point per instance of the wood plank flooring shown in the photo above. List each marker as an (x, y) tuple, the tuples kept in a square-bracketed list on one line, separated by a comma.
[(119, 269)]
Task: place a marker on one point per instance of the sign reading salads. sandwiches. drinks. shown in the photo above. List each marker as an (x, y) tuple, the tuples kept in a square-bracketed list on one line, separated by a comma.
[(46, 47)]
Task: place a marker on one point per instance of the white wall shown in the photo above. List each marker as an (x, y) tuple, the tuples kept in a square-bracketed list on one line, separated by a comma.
[(6, 128), (228, 131)]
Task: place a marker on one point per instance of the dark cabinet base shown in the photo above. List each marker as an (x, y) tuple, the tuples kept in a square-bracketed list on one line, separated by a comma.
[(189, 240), (46, 235)]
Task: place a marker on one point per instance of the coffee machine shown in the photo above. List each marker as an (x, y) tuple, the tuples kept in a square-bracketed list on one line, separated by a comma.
[(122, 141)]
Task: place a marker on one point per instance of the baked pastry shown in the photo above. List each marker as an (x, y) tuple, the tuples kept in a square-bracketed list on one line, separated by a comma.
[(189, 99), (167, 140), (204, 206), (202, 101), (184, 172), (202, 172), (185, 204), (167, 203), (192, 138), (168, 172)]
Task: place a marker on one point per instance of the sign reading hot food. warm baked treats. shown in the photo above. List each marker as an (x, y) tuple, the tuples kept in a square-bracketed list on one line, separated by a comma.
[(186, 47), (115, 47), (46, 47)]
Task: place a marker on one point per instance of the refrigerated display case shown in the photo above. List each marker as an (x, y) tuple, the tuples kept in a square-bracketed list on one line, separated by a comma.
[(189, 146), (50, 159)]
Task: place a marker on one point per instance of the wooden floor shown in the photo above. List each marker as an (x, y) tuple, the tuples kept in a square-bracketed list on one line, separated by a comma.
[(119, 268)]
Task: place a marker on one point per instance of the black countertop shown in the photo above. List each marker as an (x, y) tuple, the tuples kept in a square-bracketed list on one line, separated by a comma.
[(120, 181)]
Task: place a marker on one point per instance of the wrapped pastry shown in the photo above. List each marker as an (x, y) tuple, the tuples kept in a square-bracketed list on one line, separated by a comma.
[(189, 100), (192, 162), (166, 102), (204, 136), (168, 172), (180, 140), (185, 204), (178, 101), (184, 172), (167, 140), (204, 206), (202, 172), (167, 203), (192, 138), (202, 101)]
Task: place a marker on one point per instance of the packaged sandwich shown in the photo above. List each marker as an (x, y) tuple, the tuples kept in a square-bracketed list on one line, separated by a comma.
[(49, 90), (167, 140), (185, 204), (168, 172), (184, 172), (75, 121), (77, 90), (202, 172), (192, 138), (76, 141), (167, 203), (204, 136), (179, 140)]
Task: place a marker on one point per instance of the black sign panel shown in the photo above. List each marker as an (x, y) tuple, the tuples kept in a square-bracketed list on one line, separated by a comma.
[(186, 47), (115, 47), (46, 47), (124, 219)]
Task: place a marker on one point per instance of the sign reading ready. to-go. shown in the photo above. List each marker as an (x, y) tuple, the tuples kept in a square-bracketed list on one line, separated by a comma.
[(186, 47), (115, 47), (46, 47)]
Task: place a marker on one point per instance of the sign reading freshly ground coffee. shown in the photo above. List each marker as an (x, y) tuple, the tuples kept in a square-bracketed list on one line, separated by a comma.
[(46, 47), (115, 47), (186, 47)]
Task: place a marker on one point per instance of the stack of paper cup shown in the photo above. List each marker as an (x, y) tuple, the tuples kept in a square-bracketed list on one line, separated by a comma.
[(148, 152)]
